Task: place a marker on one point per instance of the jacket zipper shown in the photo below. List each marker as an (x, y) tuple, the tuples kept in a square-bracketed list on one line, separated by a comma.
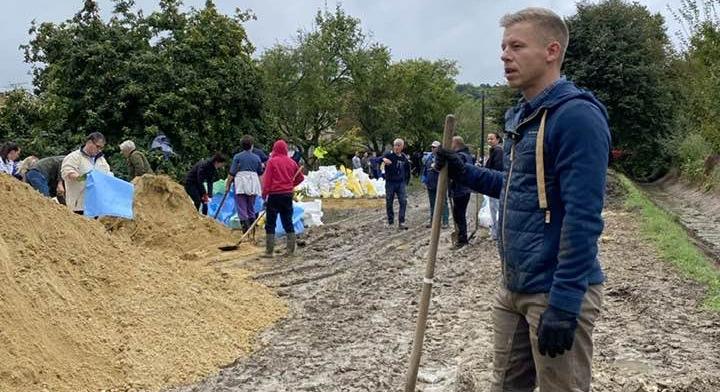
[(507, 189)]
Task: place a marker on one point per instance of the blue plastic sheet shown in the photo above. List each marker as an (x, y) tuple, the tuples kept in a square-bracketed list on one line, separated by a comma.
[(296, 218), (228, 213), (228, 210), (106, 195)]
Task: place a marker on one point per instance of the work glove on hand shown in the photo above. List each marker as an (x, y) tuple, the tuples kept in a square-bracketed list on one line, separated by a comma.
[(556, 331), (205, 198), (455, 165)]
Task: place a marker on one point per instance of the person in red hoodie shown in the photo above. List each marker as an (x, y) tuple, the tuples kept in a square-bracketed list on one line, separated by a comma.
[(282, 175)]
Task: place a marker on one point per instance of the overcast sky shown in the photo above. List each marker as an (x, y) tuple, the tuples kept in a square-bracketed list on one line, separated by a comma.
[(463, 30)]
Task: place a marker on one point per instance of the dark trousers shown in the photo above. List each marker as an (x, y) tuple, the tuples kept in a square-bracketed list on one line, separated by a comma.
[(391, 189), (279, 204), (460, 204), (196, 198), (432, 195)]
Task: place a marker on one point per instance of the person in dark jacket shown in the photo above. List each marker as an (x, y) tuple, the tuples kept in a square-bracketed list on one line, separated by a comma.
[(494, 162), (282, 175), (460, 193), (397, 175), (551, 198), (199, 180), (261, 154), (44, 176), (137, 163), (430, 177), (375, 162)]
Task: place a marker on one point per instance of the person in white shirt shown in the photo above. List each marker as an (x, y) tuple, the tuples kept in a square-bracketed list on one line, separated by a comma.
[(77, 165)]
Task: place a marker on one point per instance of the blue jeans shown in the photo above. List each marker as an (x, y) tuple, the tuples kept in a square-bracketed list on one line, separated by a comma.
[(391, 189), (432, 195), (38, 181)]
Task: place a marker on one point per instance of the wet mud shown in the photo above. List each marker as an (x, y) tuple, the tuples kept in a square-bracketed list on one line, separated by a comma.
[(353, 293)]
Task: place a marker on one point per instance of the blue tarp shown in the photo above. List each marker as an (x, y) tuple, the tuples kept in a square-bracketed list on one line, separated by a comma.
[(228, 209), (296, 218), (106, 195), (228, 214)]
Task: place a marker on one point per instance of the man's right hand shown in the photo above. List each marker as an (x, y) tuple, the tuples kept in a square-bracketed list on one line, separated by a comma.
[(455, 165), (205, 198), (387, 161)]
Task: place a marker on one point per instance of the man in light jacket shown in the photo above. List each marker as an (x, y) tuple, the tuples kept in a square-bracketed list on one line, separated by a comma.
[(77, 165)]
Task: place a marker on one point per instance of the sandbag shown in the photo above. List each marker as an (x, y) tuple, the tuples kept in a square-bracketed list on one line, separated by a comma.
[(106, 195), (313, 212), (484, 217)]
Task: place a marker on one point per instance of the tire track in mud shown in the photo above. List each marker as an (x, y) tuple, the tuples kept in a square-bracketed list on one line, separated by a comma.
[(353, 295)]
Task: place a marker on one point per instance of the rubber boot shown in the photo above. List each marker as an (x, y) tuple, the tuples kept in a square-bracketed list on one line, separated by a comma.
[(291, 240), (244, 224), (269, 246)]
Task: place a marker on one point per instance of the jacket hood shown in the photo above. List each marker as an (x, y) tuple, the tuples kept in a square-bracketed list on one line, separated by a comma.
[(564, 91), (280, 148)]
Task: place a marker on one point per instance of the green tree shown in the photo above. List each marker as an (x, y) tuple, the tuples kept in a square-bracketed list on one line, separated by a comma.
[(620, 52), (188, 74), (374, 100), (427, 95), (307, 85)]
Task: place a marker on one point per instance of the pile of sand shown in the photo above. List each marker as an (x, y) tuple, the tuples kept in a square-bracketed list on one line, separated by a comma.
[(86, 310), (165, 219)]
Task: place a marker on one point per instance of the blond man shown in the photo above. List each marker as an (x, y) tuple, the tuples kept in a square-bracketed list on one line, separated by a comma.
[(551, 198)]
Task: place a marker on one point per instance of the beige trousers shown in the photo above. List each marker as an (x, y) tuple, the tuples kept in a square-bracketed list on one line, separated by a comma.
[(518, 365)]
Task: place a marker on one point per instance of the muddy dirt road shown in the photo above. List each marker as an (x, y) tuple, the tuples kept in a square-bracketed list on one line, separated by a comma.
[(353, 300)]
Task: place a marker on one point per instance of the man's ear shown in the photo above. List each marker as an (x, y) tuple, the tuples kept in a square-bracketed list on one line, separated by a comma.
[(553, 51)]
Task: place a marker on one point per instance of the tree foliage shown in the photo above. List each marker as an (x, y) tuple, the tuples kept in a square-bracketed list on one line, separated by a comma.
[(307, 84), (191, 75), (187, 74), (620, 52)]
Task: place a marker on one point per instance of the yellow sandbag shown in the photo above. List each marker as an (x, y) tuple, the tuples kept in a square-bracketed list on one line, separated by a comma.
[(354, 187), (337, 193), (370, 189)]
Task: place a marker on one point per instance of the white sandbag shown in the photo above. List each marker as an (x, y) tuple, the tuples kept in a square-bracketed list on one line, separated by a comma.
[(484, 217), (312, 215)]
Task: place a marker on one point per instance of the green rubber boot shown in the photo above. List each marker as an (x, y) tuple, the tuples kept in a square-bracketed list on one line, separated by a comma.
[(291, 241), (269, 246)]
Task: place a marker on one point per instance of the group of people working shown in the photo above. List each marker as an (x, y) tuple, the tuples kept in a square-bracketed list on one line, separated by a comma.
[(550, 186), (252, 173), (63, 176)]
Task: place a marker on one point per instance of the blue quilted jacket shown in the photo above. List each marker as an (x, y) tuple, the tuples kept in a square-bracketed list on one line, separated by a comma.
[(552, 250)]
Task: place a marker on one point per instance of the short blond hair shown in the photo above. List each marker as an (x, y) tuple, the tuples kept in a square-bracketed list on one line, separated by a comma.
[(550, 24)]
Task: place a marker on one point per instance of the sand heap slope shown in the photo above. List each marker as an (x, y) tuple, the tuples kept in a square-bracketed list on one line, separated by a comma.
[(165, 219), (85, 311)]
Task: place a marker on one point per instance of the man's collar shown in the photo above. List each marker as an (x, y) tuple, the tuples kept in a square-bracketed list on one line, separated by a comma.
[(535, 102)]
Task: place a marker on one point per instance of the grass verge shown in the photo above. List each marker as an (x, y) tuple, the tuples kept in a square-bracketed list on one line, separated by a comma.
[(673, 243)]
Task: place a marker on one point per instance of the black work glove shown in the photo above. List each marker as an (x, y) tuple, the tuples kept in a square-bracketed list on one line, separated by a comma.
[(455, 165), (556, 331)]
